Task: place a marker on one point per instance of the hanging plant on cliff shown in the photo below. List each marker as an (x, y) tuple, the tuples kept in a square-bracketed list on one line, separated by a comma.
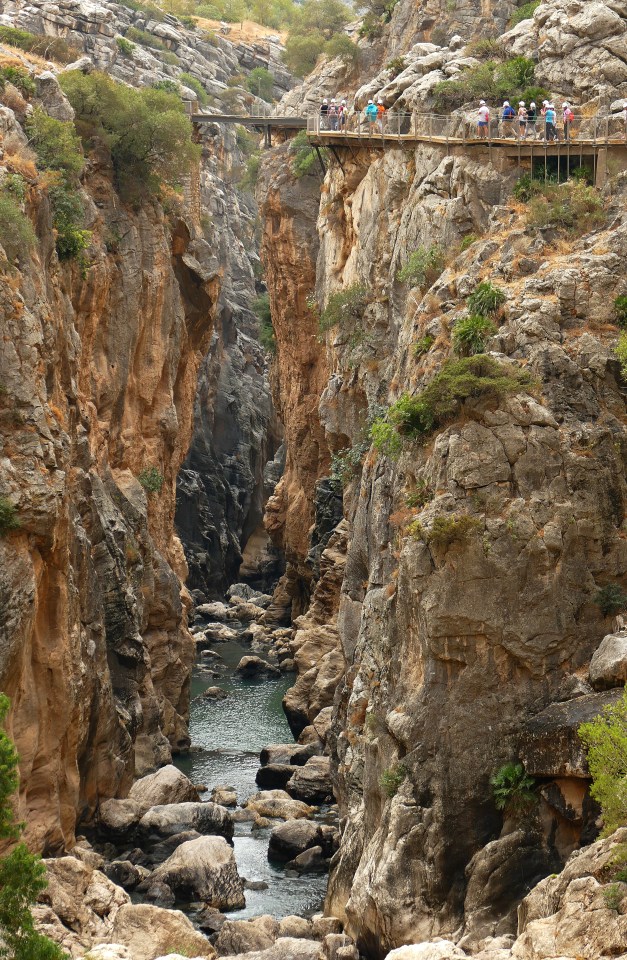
[(606, 740), (22, 874), (513, 789)]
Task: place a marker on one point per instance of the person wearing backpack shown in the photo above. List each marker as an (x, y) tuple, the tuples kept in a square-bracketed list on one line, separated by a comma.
[(568, 117), (371, 113), (333, 115), (380, 115), (507, 117), (324, 113)]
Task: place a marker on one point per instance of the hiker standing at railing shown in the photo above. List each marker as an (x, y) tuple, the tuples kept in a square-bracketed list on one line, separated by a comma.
[(507, 117), (324, 113), (483, 121), (333, 116), (341, 116), (550, 120), (522, 120), (532, 120), (568, 117), (371, 113), (380, 115)]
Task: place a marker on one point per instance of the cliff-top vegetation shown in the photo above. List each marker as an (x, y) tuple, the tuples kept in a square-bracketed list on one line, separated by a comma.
[(145, 130)]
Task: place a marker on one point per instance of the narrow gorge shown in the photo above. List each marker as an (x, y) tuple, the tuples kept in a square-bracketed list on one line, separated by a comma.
[(312, 479)]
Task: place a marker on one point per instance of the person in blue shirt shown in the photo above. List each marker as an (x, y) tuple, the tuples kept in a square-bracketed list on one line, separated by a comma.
[(372, 113), (508, 116), (550, 119)]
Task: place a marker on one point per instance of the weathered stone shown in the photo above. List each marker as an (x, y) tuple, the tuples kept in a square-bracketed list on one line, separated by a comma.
[(279, 804), (224, 796), (204, 869), (174, 818), (608, 667), (296, 927), (252, 667), (293, 837), (309, 861), (312, 783), (240, 936), (274, 776), (167, 785), (285, 948)]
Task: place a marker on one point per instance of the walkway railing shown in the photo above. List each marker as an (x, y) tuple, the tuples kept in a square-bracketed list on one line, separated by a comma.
[(459, 129)]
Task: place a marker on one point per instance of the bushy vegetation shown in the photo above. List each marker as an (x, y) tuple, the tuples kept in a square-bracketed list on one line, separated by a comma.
[(419, 495), (513, 789), (471, 333), (20, 78), (413, 416), (51, 48), (611, 599), (492, 80), (17, 236), (620, 351), (251, 173), (261, 307), (194, 84), (423, 266), (487, 48), (613, 896), (144, 38), (125, 46), (314, 26), (151, 480), (260, 82), (343, 47), (606, 740), (486, 299), (22, 874), (573, 207), (145, 129), (345, 463), (391, 779), (151, 11), (344, 307), (9, 519), (620, 310), (450, 528), (58, 149), (396, 65), (303, 155), (468, 241), (524, 12), (423, 345)]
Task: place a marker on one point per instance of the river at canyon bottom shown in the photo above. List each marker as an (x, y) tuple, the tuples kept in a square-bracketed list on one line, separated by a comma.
[(227, 737)]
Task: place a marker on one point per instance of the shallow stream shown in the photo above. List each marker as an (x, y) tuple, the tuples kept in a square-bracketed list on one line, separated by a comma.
[(227, 737)]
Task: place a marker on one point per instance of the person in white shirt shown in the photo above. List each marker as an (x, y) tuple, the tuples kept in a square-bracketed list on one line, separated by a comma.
[(483, 121)]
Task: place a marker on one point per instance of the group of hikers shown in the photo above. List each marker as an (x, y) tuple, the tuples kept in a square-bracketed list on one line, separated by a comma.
[(524, 122), (333, 115)]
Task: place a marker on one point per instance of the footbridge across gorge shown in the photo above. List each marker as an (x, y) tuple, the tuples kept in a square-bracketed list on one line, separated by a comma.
[(598, 142)]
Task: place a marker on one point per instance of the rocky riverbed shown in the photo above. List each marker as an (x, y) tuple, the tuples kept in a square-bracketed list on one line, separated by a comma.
[(232, 846)]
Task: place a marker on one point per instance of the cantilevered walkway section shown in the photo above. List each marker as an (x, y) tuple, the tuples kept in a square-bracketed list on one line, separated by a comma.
[(590, 137)]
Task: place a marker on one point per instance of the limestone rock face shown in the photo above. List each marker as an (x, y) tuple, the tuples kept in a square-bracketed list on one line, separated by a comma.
[(96, 653), (167, 785), (608, 667)]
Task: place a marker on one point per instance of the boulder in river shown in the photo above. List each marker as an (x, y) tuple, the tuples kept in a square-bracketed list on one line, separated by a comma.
[(204, 869), (241, 591), (274, 776), (312, 783), (167, 785), (224, 796), (276, 753), (214, 693), (312, 860), (214, 633), (215, 611), (250, 667), (156, 892), (126, 874), (297, 927), (119, 818), (289, 839), (171, 819), (277, 804), (240, 936), (285, 948), (149, 931)]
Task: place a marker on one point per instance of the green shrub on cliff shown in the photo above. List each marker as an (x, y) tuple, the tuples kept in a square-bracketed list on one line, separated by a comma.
[(611, 598), (151, 480), (470, 334), (146, 130), (344, 307), (513, 789), (391, 779), (606, 740), (17, 235), (423, 267), (9, 520), (51, 48), (22, 874), (486, 299), (620, 350)]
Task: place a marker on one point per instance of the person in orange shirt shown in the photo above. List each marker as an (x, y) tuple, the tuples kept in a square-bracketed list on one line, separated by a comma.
[(380, 115)]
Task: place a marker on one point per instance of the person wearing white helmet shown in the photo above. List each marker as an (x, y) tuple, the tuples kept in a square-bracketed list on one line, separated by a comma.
[(371, 116), (342, 115), (508, 116), (522, 120), (550, 122), (532, 120), (380, 114), (483, 122), (333, 115), (568, 116)]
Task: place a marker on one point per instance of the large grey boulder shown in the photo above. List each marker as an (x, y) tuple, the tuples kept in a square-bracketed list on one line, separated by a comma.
[(285, 948), (608, 667), (239, 936), (313, 782), (251, 667), (442, 950), (204, 869), (118, 818), (167, 785), (278, 804), (293, 837), (274, 776), (170, 819)]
